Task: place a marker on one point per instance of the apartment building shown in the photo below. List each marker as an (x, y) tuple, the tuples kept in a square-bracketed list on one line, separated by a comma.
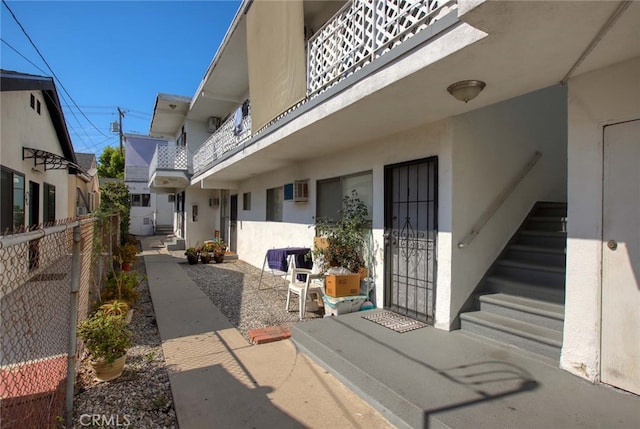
[(495, 144)]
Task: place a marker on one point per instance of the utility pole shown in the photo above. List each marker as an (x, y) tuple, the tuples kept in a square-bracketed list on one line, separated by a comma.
[(120, 116)]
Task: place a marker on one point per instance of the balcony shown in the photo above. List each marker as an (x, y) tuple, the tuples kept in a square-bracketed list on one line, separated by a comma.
[(169, 169), (362, 31), (359, 34), (223, 141)]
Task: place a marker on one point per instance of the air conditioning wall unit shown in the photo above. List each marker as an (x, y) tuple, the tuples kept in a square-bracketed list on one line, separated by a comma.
[(214, 123), (214, 202), (301, 191)]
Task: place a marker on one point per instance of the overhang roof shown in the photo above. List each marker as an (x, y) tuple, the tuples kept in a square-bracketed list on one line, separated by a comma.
[(168, 115), (16, 81)]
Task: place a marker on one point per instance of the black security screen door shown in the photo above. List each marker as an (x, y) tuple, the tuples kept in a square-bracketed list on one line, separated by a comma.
[(411, 227)]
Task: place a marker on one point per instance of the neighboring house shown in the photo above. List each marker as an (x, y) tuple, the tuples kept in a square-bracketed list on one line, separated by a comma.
[(39, 166), (87, 185), (466, 198), (149, 211)]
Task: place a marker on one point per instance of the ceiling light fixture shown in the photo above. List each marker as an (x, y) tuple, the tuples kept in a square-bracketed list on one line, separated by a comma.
[(466, 90)]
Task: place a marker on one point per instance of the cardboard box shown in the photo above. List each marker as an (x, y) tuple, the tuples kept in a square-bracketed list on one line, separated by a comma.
[(320, 243), (342, 285)]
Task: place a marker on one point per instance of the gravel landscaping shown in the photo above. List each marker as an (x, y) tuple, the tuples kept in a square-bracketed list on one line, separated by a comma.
[(232, 286), (141, 397)]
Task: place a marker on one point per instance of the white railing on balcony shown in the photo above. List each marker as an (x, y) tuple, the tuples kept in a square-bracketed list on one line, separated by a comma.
[(362, 31), (134, 173), (169, 157), (223, 140)]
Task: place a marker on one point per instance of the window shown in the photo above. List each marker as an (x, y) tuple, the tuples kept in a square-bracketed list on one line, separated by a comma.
[(140, 200), (12, 185), (330, 193), (32, 101), (38, 106), (49, 203), (246, 201), (275, 198)]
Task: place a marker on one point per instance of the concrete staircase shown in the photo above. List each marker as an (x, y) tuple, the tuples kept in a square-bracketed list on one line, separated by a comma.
[(164, 229), (521, 302)]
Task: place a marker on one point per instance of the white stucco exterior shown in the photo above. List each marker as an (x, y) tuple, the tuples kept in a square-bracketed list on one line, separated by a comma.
[(22, 127), (198, 230), (602, 97)]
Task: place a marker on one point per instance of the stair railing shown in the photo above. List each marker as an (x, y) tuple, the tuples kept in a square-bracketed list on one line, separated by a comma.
[(501, 198)]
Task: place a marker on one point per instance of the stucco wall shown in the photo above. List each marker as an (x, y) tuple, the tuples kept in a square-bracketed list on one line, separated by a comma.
[(197, 232), (23, 127), (137, 215), (255, 235), (491, 146), (598, 98)]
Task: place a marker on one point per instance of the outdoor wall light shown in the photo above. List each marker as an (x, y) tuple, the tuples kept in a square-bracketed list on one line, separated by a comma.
[(466, 90)]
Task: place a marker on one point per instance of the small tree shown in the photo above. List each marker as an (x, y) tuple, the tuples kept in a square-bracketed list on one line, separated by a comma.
[(111, 163), (115, 198)]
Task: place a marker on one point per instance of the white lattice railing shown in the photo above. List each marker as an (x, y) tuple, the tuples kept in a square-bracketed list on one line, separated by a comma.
[(223, 140), (362, 31), (169, 157)]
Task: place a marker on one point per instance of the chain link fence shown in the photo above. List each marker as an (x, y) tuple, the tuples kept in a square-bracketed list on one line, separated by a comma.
[(39, 271)]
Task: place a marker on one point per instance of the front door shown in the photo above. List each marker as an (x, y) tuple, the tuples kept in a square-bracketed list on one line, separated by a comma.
[(411, 227), (620, 364)]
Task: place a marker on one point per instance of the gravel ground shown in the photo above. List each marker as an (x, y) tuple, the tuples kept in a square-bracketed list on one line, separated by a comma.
[(142, 394), (232, 286)]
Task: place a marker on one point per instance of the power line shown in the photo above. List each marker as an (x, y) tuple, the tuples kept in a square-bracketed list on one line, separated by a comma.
[(19, 53), (48, 66)]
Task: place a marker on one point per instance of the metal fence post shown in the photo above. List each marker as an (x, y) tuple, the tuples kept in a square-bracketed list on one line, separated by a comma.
[(73, 301)]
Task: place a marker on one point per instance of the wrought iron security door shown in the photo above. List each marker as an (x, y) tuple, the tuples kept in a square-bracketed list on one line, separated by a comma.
[(411, 226)]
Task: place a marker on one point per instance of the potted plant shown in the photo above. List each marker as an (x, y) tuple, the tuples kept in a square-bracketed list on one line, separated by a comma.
[(118, 308), (120, 285), (344, 238), (219, 248), (107, 338), (192, 255), (126, 256), (206, 253)]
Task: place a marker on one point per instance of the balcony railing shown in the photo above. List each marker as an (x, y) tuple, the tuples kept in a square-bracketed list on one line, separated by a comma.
[(223, 140), (362, 31), (169, 157)]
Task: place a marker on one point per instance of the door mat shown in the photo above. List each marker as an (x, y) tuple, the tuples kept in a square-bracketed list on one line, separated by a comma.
[(395, 322)]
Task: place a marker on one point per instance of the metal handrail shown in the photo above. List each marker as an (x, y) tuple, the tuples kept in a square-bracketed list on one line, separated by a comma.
[(493, 208)]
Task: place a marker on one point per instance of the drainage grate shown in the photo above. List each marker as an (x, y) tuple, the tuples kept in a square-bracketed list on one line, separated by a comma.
[(395, 322)]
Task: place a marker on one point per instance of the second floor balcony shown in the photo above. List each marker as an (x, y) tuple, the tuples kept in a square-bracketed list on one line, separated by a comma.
[(170, 168)]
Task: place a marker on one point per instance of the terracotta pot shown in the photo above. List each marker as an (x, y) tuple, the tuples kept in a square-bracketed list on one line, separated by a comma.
[(126, 266), (205, 259), (109, 371)]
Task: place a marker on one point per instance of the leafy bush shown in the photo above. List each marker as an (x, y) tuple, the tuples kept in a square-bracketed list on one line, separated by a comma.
[(122, 286), (106, 337)]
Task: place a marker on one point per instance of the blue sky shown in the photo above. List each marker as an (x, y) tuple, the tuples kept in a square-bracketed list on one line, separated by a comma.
[(114, 53)]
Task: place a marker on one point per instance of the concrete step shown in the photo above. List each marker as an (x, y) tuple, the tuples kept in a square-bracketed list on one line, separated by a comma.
[(534, 311), (540, 255), (175, 244), (551, 239), (499, 284), (401, 412), (549, 209), (551, 276), (546, 223), (544, 341), (230, 256)]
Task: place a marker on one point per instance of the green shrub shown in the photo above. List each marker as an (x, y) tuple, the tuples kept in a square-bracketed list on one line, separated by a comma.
[(106, 337)]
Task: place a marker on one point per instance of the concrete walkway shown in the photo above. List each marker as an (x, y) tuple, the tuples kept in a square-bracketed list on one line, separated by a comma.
[(218, 380)]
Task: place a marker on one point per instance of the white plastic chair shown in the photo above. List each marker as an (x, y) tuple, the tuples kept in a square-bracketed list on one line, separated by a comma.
[(303, 289)]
